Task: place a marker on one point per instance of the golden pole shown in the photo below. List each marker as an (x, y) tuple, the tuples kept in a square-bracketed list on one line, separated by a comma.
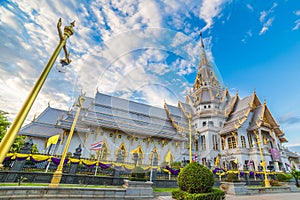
[(58, 173), (267, 182), (190, 131), (12, 133)]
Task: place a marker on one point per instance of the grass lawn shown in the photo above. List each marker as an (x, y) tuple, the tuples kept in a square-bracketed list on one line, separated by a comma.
[(163, 189)]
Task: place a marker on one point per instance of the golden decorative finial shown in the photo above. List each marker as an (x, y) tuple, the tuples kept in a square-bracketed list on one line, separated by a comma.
[(265, 101), (49, 103), (254, 91)]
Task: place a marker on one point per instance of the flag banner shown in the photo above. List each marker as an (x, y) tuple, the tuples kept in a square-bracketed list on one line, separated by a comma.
[(168, 157), (288, 165), (217, 161), (57, 160), (195, 158), (52, 140), (250, 162), (136, 150), (105, 166), (96, 146), (275, 154), (173, 171), (39, 158), (235, 161)]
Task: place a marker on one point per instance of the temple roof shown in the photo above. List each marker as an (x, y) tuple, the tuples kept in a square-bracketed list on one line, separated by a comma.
[(128, 116), (44, 125)]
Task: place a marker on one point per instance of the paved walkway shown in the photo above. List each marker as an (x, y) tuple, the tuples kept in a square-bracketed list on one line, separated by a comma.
[(277, 196)]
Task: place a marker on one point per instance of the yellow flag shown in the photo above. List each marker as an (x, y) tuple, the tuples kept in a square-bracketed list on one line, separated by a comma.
[(52, 140), (135, 150), (236, 161), (217, 161), (168, 157)]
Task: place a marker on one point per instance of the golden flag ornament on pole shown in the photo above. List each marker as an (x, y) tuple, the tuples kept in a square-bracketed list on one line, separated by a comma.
[(217, 161), (52, 140), (168, 157), (135, 151)]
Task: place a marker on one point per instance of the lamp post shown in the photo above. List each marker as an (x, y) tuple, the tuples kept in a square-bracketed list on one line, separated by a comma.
[(58, 173), (11, 134), (267, 183)]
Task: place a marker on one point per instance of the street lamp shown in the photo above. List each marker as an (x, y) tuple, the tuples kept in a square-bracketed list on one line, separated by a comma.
[(11, 134), (263, 162), (58, 173)]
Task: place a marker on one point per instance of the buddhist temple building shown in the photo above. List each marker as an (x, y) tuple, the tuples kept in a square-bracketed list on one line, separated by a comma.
[(227, 131)]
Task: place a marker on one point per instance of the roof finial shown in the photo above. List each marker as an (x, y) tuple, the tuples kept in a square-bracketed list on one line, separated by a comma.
[(265, 101), (254, 91)]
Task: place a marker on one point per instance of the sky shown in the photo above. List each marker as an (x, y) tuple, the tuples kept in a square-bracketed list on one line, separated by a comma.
[(148, 51)]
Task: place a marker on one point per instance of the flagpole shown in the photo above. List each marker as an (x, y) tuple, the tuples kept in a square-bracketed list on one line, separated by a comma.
[(98, 153), (48, 164)]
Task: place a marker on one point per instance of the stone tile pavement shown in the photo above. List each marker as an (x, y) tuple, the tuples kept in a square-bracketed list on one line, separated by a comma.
[(276, 196)]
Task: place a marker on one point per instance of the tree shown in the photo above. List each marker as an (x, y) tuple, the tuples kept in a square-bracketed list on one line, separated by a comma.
[(296, 175), (4, 124)]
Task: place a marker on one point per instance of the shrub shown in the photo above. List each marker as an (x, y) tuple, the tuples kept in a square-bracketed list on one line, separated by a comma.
[(195, 178), (137, 174), (282, 177), (232, 178), (215, 194)]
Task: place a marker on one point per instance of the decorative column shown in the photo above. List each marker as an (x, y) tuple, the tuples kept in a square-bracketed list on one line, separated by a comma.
[(258, 137)]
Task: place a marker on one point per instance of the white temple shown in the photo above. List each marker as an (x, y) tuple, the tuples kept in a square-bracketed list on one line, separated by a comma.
[(223, 127)]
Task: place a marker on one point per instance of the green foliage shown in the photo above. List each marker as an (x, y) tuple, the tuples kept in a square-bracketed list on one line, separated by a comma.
[(215, 194), (4, 124), (176, 165), (137, 174), (232, 178), (282, 177), (296, 175), (21, 180), (195, 178), (34, 149)]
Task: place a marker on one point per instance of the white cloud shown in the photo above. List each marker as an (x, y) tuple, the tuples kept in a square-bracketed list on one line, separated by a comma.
[(209, 10), (250, 7), (266, 19), (266, 26), (297, 22)]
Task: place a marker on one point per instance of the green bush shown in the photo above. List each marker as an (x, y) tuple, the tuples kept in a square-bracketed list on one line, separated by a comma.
[(215, 194), (232, 178), (137, 174), (282, 177), (195, 178)]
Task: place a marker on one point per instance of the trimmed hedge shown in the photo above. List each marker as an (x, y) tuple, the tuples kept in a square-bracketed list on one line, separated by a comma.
[(215, 194), (137, 174), (195, 178), (282, 177)]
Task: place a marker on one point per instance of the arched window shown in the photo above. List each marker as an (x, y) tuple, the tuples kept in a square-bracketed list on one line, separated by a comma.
[(203, 142), (121, 154), (250, 140), (137, 155), (231, 142), (243, 140)]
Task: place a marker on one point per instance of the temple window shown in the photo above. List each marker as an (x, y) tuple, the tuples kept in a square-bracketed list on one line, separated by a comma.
[(231, 142), (243, 140), (203, 123), (203, 142), (250, 140), (215, 142)]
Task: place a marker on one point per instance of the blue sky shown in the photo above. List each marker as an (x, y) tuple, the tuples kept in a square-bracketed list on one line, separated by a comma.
[(148, 51)]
